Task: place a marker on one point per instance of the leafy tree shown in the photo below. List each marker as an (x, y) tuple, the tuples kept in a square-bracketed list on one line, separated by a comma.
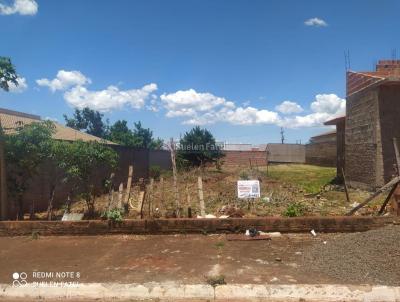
[(7, 73), (88, 120), (120, 133), (81, 161), (25, 151), (198, 147), (144, 138), (91, 122), (140, 137)]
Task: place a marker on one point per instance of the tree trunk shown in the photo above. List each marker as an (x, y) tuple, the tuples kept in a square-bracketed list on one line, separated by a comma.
[(50, 205), (20, 212)]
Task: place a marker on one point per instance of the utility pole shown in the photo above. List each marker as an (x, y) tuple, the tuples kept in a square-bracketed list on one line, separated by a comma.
[(282, 135)]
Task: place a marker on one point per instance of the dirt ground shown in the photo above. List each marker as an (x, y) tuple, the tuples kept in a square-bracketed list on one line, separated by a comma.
[(191, 259), (309, 187), (183, 258)]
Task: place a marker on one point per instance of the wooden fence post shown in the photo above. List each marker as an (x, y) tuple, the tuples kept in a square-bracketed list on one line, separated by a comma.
[(120, 195), (201, 197), (128, 187), (161, 194), (188, 201), (150, 195), (110, 192), (175, 175)]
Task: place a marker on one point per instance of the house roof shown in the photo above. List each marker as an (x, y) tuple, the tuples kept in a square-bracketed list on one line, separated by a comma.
[(325, 134), (10, 120), (335, 121)]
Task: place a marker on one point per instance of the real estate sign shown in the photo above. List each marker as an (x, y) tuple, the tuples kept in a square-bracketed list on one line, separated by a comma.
[(248, 188)]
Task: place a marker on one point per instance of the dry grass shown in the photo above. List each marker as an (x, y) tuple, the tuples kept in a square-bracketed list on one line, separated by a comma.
[(283, 186)]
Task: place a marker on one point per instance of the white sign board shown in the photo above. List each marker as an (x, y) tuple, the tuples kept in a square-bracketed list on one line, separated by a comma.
[(248, 189)]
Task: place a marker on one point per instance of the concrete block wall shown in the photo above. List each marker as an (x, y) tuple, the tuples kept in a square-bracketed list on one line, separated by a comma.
[(389, 117), (243, 158), (362, 139), (40, 186), (321, 153)]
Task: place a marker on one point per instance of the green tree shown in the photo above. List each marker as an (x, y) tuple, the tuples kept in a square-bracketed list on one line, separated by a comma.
[(25, 150), (139, 138), (7, 73), (88, 120), (120, 133), (198, 147), (144, 138), (81, 161)]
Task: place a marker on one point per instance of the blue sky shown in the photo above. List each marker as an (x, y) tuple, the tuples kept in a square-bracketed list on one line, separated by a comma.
[(242, 69)]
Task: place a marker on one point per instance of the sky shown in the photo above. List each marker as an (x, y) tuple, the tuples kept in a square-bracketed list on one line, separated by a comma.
[(242, 69)]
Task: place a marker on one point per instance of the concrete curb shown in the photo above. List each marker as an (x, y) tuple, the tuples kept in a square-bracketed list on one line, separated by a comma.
[(197, 226), (174, 291)]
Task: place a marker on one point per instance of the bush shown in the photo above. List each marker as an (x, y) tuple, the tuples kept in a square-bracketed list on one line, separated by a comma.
[(114, 215), (294, 210), (155, 172), (244, 175)]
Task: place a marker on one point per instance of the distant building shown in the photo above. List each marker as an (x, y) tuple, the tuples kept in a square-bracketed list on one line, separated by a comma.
[(321, 150), (10, 120), (365, 135), (286, 153)]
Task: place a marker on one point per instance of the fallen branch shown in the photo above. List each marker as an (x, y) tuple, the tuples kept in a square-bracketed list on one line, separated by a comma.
[(382, 209), (390, 184)]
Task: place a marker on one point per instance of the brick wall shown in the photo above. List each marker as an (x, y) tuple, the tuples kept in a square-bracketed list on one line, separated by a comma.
[(362, 138), (389, 116), (357, 81), (161, 158), (40, 186), (200, 226), (322, 152), (243, 158), (340, 149), (286, 153)]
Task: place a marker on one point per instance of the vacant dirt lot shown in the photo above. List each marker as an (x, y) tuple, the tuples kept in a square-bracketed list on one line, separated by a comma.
[(193, 259), (183, 258), (306, 186)]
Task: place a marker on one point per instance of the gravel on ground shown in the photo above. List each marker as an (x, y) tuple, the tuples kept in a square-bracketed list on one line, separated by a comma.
[(371, 257)]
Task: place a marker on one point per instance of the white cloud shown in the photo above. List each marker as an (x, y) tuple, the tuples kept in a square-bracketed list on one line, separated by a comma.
[(108, 99), (329, 103), (22, 85), (205, 108), (22, 7), (64, 80), (317, 22), (325, 107), (288, 107)]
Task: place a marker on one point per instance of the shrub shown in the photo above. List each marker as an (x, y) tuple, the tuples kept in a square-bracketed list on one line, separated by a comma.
[(244, 175), (294, 210), (155, 172), (214, 281), (114, 215)]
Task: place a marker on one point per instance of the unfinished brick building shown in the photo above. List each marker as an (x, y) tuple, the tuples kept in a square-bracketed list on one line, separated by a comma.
[(371, 122)]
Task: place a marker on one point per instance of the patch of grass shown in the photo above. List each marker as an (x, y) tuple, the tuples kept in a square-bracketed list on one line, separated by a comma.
[(35, 235), (309, 178), (294, 209), (114, 215), (219, 245), (214, 281)]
